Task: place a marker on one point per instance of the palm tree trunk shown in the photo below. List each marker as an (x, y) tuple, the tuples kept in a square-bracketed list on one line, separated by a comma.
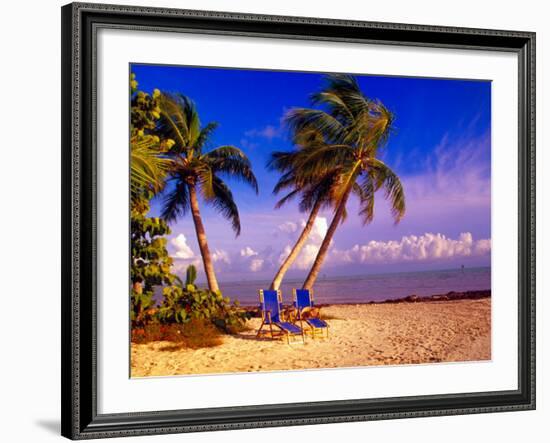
[(276, 283), (201, 238), (323, 250)]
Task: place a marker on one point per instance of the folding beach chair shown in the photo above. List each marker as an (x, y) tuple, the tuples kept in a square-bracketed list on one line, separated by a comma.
[(303, 300), (271, 305)]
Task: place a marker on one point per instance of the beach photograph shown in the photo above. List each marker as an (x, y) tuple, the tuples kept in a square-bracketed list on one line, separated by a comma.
[(286, 220)]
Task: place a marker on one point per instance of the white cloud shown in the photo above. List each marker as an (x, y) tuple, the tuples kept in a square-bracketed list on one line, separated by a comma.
[(269, 132), (183, 250), (221, 256), (284, 254), (183, 255), (288, 227), (320, 227), (309, 251), (248, 252), (256, 264), (307, 256), (482, 247), (180, 266), (413, 248)]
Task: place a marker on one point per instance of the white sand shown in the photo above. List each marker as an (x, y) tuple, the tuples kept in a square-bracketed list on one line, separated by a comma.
[(360, 335)]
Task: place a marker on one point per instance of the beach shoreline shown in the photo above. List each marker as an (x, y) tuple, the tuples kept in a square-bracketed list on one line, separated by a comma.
[(413, 330), (449, 296)]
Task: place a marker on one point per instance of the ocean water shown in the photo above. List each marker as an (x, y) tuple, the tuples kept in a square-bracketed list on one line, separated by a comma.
[(365, 288)]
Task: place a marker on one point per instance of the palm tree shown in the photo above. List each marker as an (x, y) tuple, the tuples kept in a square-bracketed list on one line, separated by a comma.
[(353, 129), (315, 194), (148, 165), (194, 171), (148, 168)]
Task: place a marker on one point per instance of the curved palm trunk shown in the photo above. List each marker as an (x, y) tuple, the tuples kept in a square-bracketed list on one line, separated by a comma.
[(276, 283), (323, 250), (201, 238)]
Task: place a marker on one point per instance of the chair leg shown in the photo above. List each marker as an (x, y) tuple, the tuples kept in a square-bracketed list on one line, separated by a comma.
[(260, 330)]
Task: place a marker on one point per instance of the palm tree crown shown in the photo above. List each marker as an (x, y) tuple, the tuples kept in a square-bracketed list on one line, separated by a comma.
[(192, 166), (343, 138), (347, 138), (314, 192)]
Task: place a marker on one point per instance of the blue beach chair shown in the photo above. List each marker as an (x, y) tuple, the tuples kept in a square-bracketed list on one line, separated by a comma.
[(303, 299), (271, 305)]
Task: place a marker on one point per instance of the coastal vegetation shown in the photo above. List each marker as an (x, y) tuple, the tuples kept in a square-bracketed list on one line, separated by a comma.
[(155, 160)]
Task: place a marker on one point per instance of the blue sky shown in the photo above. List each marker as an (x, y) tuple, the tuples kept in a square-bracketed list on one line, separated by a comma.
[(441, 149)]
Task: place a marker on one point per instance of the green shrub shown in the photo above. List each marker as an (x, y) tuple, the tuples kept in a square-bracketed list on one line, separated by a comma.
[(183, 303)]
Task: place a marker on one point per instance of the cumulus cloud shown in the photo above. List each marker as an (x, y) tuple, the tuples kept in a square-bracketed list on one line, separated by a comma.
[(183, 250), (183, 254), (221, 256), (413, 248), (320, 227), (248, 252), (236, 261), (309, 251), (288, 227), (256, 264)]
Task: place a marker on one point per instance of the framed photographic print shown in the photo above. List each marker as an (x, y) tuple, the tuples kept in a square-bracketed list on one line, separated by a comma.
[(273, 221)]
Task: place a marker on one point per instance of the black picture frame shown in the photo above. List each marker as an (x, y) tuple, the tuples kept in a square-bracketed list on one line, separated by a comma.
[(79, 173)]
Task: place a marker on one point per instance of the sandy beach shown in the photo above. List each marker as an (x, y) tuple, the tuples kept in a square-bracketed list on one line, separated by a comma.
[(360, 335)]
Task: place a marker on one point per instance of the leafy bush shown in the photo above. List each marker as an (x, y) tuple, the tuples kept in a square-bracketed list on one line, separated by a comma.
[(150, 266), (183, 303)]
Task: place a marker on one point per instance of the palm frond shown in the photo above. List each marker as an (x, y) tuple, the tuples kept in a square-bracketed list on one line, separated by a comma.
[(366, 192), (287, 180), (205, 134), (175, 202), (147, 166), (393, 188), (316, 161), (232, 162), (321, 191), (224, 203), (302, 121), (337, 107), (345, 180), (288, 197), (205, 177), (173, 122), (282, 161), (345, 87)]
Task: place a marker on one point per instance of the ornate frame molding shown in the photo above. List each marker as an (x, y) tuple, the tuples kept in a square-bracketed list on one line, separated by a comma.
[(79, 391)]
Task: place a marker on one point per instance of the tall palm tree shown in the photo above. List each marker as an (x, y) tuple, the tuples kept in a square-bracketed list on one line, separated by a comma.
[(354, 128), (314, 195), (194, 171)]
